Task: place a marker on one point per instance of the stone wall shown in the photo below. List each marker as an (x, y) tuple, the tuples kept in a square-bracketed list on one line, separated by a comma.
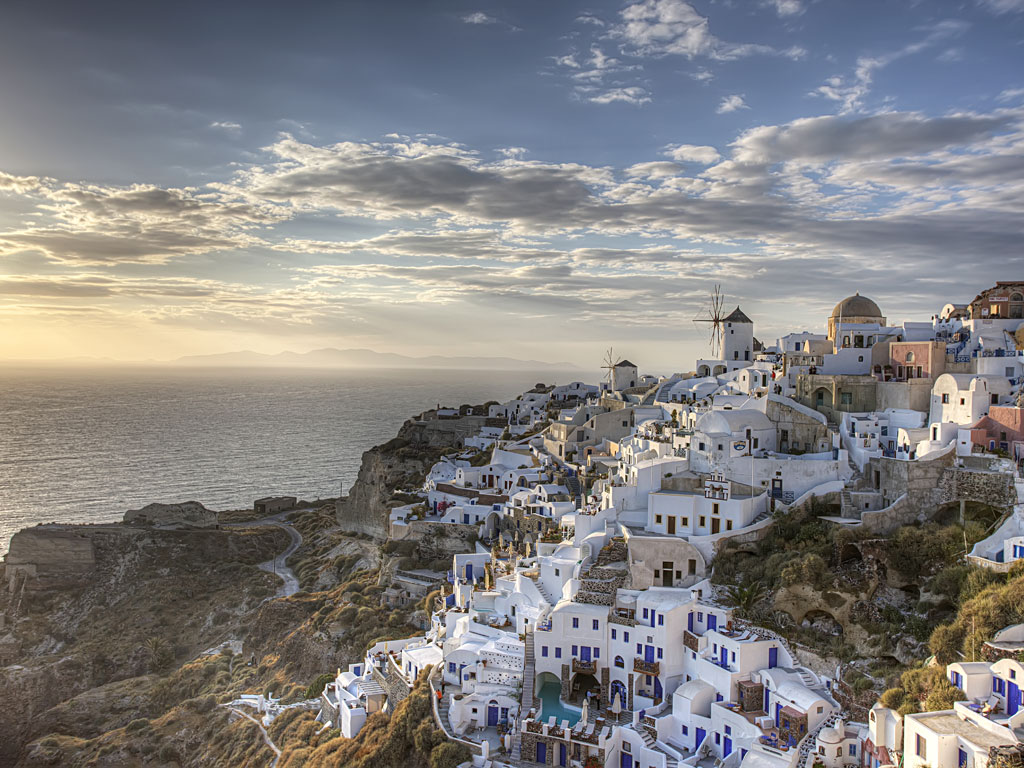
[(993, 488)]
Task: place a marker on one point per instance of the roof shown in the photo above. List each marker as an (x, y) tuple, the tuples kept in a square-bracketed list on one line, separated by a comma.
[(732, 421), (693, 688), (737, 316), (624, 364), (856, 306)]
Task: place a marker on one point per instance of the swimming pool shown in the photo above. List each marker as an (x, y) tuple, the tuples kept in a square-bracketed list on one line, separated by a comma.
[(551, 704)]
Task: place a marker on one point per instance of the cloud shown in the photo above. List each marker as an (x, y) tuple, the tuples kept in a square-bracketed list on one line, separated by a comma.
[(1000, 7), (225, 125), (1010, 94), (850, 92), (692, 153), (787, 7), (19, 184), (479, 17), (732, 103), (674, 27), (628, 95)]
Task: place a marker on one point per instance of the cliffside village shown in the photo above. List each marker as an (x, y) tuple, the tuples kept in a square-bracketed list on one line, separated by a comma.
[(584, 630)]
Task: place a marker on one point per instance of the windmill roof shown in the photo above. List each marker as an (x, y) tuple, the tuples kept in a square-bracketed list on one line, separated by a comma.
[(624, 364), (737, 316)]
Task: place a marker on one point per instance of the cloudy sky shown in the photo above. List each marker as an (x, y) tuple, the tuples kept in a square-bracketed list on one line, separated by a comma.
[(527, 178)]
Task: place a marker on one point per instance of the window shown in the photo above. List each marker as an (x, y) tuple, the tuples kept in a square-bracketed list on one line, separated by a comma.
[(661, 620), (597, 652), (657, 519), (657, 573), (703, 523), (910, 357), (575, 622), (613, 634), (714, 508), (961, 401), (945, 398), (922, 748), (846, 398), (685, 730), (645, 613), (575, 651), (659, 653), (451, 666), (558, 652), (853, 750), (639, 648), (995, 400), (619, 662), (625, 637), (700, 616), (544, 651), (685, 521), (596, 624)]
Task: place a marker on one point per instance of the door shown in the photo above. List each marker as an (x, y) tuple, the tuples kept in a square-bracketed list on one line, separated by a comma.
[(716, 525), (561, 755), (658, 690), (585, 653), (778, 710), (627, 760), (767, 693), (723, 657), (773, 657), (726, 746), (542, 753), (649, 653), (672, 525), (699, 738), (689, 621), (465, 518), (712, 621), (961, 759), (469, 569), (1012, 699), (492, 715), (777, 485)]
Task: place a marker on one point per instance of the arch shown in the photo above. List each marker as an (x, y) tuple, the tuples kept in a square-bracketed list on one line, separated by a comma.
[(1016, 297), (703, 371), (617, 689), (910, 357), (619, 662), (821, 397), (581, 684), (718, 370)]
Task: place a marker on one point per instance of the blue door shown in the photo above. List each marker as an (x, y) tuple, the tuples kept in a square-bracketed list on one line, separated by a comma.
[(465, 518), (542, 753), (773, 657), (1012, 699), (492, 715), (723, 657), (627, 760), (726, 747), (657, 688), (698, 740), (561, 755), (689, 621), (469, 566), (766, 693), (961, 759), (585, 653), (778, 709), (712, 621), (649, 653)]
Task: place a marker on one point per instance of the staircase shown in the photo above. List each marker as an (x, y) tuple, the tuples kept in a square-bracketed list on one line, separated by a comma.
[(846, 504), (652, 744), (575, 486), (529, 672), (442, 712)]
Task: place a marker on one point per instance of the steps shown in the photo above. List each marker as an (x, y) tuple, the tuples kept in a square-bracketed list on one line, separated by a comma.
[(652, 744), (529, 672)]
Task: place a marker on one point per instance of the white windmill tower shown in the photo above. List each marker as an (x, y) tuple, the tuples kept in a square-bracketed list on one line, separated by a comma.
[(611, 362), (713, 315)]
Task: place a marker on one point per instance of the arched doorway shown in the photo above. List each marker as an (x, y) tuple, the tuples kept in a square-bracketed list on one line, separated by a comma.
[(617, 690), (581, 684)]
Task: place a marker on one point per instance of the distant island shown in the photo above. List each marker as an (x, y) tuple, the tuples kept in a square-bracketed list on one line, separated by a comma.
[(363, 358)]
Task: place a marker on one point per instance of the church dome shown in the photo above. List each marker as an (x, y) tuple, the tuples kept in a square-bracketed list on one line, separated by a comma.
[(856, 306), (829, 736)]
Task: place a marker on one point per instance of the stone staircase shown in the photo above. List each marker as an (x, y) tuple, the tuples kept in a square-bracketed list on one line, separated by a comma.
[(808, 743), (575, 486), (442, 712), (529, 672), (846, 504), (651, 743)]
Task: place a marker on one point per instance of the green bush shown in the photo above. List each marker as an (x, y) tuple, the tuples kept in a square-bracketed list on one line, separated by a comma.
[(317, 686)]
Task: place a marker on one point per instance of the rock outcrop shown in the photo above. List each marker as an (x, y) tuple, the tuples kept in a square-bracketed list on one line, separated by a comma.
[(189, 514)]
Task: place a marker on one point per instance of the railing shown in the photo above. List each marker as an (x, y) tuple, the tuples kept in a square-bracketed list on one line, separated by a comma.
[(586, 667), (646, 667)]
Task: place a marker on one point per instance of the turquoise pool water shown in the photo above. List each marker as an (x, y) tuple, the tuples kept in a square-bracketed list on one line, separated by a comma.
[(552, 705)]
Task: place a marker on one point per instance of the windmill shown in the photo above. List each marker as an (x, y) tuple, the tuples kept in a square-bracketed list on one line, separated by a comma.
[(610, 363), (712, 314)]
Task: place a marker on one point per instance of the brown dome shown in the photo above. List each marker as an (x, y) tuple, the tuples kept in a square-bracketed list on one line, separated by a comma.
[(856, 306)]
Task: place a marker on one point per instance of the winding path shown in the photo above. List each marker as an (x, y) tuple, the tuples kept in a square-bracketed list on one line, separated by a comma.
[(279, 565), (266, 736)]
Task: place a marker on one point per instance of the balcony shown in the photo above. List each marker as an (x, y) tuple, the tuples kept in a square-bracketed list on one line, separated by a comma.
[(646, 667), (584, 667)]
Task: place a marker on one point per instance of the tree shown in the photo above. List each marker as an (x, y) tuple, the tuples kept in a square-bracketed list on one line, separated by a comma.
[(159, 652), (745, 597)]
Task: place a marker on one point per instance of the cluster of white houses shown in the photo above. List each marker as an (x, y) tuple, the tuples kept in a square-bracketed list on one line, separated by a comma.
[(584, 631)]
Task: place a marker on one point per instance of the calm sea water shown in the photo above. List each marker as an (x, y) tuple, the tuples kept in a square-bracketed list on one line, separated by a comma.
[(84, 445)]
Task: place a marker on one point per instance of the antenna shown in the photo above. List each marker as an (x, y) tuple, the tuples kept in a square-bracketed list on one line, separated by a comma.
[(610, 362), (712, 314)]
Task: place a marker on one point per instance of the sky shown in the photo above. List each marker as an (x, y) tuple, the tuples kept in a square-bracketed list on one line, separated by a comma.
[(532, 179)]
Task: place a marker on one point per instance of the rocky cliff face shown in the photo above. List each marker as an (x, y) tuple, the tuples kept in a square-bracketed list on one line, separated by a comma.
[(399, 463), (190, 514)]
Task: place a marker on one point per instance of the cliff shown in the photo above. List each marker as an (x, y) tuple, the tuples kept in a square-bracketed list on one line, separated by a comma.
[(400, 463)]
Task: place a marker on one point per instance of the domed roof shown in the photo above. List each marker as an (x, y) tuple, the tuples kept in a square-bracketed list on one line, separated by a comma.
[(829, 736), (856, 306)]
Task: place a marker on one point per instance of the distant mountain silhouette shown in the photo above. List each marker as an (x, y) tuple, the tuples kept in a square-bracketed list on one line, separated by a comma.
[(361, 358)]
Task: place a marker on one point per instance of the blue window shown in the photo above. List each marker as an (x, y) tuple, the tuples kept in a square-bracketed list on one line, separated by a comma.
[(853, 750), (661, 619), (1013, 674), (718, 738), (613, 634), (639, 648), (451, 666), (575, 650), (543, 650), (558, 651), (659, 653), (575, 623), (728, 730), (685, 730), (625, 637), (597, 652), (645, 613), (596, 624), (700, 616), (734, 656)]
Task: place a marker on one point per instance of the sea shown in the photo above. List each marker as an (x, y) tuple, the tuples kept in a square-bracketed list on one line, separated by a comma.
[(83, 445)]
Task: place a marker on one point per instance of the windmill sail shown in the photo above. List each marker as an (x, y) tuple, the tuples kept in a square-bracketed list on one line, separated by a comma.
[(712, 315)]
